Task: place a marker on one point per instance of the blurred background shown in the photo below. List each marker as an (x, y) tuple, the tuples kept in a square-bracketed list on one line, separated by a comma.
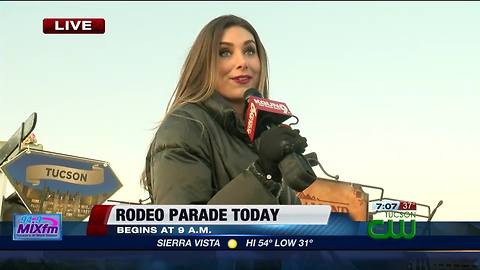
[(387, 93)]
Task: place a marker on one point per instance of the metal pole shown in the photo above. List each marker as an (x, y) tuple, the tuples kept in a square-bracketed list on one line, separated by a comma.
[(3, 187)]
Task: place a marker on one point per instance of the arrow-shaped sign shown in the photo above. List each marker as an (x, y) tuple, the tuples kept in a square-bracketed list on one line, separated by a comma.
[(49, 182)]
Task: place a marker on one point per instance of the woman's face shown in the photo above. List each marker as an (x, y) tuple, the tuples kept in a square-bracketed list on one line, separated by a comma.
[(238, 66)]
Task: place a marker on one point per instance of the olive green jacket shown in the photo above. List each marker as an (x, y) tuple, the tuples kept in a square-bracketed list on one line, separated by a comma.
[(200, 155)]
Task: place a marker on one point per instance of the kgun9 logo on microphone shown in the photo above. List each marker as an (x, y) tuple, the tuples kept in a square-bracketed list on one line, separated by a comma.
[(277, 106), (259, 108)]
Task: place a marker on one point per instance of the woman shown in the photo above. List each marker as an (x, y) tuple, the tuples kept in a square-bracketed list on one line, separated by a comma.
[(201, 153)]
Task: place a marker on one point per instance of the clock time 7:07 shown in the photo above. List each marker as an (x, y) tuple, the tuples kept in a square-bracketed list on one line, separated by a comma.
[(391, 205)]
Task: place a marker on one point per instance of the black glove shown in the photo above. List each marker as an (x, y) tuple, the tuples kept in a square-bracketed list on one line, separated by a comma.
[(273, 145)]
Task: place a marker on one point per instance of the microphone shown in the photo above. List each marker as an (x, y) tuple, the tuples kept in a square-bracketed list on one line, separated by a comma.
[(264, 113), (261, 113)]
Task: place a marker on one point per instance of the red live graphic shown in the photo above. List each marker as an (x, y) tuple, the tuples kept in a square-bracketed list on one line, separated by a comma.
[(73, 26)]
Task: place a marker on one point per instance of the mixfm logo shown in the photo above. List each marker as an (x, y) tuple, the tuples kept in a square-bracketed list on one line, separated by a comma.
[(37, 227), (73, 26)]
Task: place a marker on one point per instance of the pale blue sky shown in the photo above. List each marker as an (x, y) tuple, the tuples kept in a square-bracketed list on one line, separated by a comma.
[(387, 93)]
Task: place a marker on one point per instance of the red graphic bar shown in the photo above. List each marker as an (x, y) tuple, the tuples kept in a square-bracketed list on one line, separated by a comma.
[(405, 205), (97, 223)]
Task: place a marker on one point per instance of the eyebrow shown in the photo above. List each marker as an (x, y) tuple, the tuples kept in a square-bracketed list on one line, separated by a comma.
[(231, 44)]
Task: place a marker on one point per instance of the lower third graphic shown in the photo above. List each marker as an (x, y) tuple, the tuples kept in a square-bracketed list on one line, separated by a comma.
[(37, 227)]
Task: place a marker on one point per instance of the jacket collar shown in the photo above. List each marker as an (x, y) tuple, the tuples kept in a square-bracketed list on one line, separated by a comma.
[(221, 110)]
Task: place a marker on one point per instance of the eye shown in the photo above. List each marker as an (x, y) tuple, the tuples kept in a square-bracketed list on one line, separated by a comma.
[(224, 52), (250, 50)]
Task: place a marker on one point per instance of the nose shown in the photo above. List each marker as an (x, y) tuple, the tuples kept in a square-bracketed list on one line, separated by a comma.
[(241, 61)]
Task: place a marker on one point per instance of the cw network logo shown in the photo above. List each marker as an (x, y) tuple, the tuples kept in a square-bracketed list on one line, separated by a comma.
[(390, 233), (37, 227)]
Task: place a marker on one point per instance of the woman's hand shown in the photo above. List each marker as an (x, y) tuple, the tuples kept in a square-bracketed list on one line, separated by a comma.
[(273, 145)]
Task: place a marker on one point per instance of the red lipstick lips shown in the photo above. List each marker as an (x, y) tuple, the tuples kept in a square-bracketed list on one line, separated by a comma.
[(242, 79)]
